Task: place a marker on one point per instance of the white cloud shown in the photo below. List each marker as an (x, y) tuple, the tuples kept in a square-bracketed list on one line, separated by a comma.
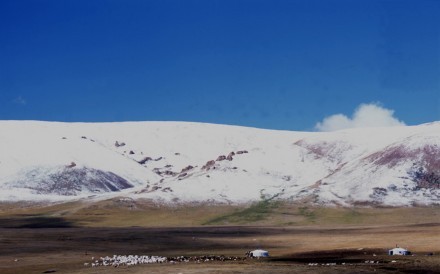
[(366, 115)]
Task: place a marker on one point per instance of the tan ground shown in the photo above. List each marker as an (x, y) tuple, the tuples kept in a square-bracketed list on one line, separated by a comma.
[(62, 238)]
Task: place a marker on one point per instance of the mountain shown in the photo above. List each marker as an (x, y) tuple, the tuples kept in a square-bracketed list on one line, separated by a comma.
[(179, 162)]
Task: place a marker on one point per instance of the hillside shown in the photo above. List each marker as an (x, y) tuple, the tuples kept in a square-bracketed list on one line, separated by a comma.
[(180, 162)]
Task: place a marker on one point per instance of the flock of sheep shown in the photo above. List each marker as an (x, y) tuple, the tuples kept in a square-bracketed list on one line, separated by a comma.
[(333, 264), (123, 260)]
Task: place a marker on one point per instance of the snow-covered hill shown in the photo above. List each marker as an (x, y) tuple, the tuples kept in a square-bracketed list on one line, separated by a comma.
[(185, 162)]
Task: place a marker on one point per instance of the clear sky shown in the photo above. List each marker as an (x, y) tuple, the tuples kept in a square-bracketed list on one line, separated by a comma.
[(270, 64)]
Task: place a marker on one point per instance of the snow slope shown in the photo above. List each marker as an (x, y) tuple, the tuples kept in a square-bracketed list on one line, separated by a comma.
[(186, 162)]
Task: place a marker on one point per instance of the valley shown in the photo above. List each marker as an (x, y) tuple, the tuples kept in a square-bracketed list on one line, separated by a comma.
[(301, 239)]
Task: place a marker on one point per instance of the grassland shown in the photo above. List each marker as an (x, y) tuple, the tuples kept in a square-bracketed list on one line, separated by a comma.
[(123, 213), (62, 237)]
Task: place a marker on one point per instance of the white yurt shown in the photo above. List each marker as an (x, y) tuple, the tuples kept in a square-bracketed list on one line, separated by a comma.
[(259, 253), (399, 251)]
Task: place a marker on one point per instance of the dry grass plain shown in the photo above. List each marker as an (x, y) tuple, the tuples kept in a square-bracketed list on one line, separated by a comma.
[(61, 238)]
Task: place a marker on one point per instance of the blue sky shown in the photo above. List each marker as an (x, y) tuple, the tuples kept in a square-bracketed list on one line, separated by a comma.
[(270, 64)]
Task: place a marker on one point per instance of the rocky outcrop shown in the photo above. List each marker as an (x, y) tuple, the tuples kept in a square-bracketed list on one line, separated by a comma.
[(221, 158), (169, 173), (117, 144), (73, 181), (188, 168), (182, 175), (208, 165), (160, 172), (144, 160)]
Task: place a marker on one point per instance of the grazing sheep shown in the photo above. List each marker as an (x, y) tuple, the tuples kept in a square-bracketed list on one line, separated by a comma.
[(123, 260)]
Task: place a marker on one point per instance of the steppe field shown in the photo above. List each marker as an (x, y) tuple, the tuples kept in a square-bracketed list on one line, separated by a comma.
[(64, 238)]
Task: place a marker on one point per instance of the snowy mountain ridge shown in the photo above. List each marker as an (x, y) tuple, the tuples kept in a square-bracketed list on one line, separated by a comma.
[(178, 162)]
